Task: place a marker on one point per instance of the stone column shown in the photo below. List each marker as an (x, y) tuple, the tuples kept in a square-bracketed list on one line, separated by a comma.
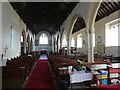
[(60, 42), (68, 46), (52, 43), (90, 44), (76, 44), (24, 43)]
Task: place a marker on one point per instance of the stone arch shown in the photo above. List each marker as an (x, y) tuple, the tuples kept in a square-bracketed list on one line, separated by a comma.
[(90, 27), (70, 29), (92, 12), (23, 36), (72, 23)]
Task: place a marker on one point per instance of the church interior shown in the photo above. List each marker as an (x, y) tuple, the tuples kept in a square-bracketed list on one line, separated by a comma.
[(60, 45)]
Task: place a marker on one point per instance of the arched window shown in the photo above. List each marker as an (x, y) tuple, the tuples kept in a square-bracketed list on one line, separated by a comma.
[(112, 33), (21, 37), (64, 42), (79, 41), (43, 39)]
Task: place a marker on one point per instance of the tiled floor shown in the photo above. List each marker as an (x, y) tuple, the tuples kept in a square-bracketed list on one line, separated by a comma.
[(43, 57)]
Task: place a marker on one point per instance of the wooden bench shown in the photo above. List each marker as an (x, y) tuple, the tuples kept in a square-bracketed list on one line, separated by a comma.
[(16, 71), (13, 77), (59, 66)]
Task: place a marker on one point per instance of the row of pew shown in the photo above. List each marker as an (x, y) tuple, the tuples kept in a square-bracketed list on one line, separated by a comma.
[(16, 71), (59, 67)]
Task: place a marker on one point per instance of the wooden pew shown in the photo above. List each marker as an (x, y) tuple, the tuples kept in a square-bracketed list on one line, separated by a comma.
[(26, 61), (13, 77), (16, 71), (59, 64)]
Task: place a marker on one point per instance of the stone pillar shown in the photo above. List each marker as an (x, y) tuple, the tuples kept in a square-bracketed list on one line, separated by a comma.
[(68, 46), (76, 44), (52, 43), (61, 39), (90, 27), (60, 42), (25, 46), (90, 44)]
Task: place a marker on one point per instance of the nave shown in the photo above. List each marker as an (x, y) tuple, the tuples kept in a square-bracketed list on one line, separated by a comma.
[(51, 74), (41, 77), (38, 77), (80, 39)]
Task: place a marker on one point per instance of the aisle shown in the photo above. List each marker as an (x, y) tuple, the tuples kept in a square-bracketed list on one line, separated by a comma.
[(41, 77), (43, 57)]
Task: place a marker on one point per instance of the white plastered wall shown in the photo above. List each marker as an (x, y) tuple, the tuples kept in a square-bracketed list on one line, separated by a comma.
[(100, 31), (12, 26), (0, 30), (0, 44)]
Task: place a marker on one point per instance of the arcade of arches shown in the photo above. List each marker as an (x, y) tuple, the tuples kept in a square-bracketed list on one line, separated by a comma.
[(80, 23)]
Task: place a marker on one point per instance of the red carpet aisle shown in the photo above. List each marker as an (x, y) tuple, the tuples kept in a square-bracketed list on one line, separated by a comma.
[(40, 78)]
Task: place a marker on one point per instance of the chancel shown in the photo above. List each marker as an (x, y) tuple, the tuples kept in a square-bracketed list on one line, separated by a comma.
[(61, 45)]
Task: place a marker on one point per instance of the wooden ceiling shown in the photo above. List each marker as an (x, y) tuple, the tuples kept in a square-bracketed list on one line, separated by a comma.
[(106, 8), (49, 16), (46, 16)]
